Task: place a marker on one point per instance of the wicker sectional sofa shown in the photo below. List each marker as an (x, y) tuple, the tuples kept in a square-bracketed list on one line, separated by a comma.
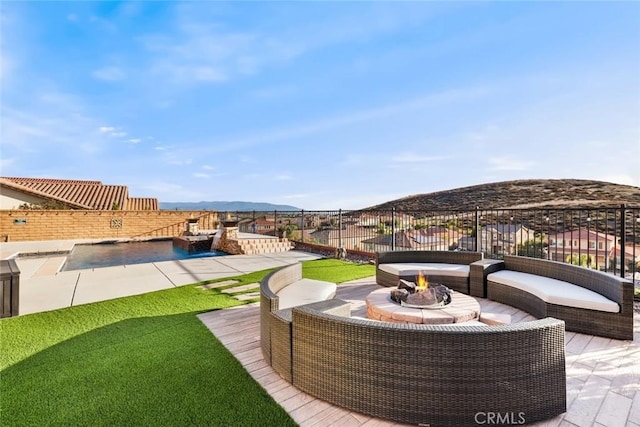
[(279, 291), (589, 301), (420, 374), (449, 268)]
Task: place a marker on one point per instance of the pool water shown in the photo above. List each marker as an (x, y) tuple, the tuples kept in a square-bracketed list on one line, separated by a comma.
[(111, 254)]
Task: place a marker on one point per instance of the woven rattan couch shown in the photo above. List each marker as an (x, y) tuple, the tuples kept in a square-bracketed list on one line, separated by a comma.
[(449, 268), (427, 374), (435, 375), (615, 290), (275, 317)]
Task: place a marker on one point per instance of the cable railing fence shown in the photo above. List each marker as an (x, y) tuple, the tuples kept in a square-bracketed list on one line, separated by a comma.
[(606, 239)]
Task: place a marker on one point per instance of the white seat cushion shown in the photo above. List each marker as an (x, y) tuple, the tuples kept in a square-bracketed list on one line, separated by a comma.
[(555, 291), (427, 268), (305, 291)]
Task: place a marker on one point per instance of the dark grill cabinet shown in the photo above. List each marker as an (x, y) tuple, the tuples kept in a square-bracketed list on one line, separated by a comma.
[(10, 289)]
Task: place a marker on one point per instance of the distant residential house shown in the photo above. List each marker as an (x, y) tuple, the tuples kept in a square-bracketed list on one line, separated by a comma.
[(399, 220), (349, 237), (407, 240), (266, 226), (504, 238), (71, 194), (467, 243), (368, 220), (631, 256), (598, 247)]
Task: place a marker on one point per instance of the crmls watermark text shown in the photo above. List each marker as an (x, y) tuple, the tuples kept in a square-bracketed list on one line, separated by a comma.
[(495, 418)]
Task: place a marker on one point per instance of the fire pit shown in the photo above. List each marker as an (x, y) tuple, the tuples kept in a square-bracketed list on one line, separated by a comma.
[(420, 294), (421, 302)]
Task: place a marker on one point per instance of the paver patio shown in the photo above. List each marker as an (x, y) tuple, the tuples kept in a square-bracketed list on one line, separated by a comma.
[(603, 375)]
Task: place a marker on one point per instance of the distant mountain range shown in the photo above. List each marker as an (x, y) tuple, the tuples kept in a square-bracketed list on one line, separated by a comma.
[(225, 206), (526, 194)]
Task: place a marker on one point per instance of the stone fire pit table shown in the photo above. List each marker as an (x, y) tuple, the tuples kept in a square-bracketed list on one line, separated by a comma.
[(462, 308)]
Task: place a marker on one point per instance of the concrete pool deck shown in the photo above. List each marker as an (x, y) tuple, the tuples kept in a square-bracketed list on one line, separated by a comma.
[(43, 287)]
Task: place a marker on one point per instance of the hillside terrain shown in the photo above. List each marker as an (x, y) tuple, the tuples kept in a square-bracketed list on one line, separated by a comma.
[(525, 194)]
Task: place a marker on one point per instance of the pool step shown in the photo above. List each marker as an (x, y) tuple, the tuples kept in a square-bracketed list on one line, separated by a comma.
[(51, 266)]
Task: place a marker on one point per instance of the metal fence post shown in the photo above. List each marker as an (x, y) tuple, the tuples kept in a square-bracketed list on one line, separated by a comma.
[(340, 228), (623, 238), (478, 243), (393, 228)]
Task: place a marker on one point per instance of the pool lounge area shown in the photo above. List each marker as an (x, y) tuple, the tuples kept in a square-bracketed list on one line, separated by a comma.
[(603, 375)]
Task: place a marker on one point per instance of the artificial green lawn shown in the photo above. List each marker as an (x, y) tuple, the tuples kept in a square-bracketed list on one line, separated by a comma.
[(141, 360)]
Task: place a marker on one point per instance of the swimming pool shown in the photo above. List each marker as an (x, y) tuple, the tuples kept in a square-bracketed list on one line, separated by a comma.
[(111, 254)]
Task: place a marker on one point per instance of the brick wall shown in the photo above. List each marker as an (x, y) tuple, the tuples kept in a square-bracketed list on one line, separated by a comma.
[(22, 225)]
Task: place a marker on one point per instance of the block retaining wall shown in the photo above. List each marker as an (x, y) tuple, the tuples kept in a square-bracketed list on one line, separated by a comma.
[(26, 225)]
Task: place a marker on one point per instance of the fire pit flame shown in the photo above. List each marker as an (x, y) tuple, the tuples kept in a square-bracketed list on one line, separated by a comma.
[(420, 294), (421, 282)]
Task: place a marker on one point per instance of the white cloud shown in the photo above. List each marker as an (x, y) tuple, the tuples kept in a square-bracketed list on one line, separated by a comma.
[(208, 74), (416, 158), (45, 125), (622, 179), (295, 196), (135, 140), (507, 163), (283, 177), (6, 163), (175, 158), (200, 175), (109, 74), (427, 101), (115, 132)]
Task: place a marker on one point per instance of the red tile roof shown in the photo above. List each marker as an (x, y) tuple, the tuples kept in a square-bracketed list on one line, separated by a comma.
[(81, 194), (582, 234)]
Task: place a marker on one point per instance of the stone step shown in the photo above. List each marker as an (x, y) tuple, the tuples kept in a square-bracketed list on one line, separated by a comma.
[(242, 288), (217, 284), (248, 296)]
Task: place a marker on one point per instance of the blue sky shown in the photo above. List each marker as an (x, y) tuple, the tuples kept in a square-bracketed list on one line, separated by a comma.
[(319, 105)]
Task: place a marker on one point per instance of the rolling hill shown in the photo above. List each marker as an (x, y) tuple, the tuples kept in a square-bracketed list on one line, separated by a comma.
[(532, 193)]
